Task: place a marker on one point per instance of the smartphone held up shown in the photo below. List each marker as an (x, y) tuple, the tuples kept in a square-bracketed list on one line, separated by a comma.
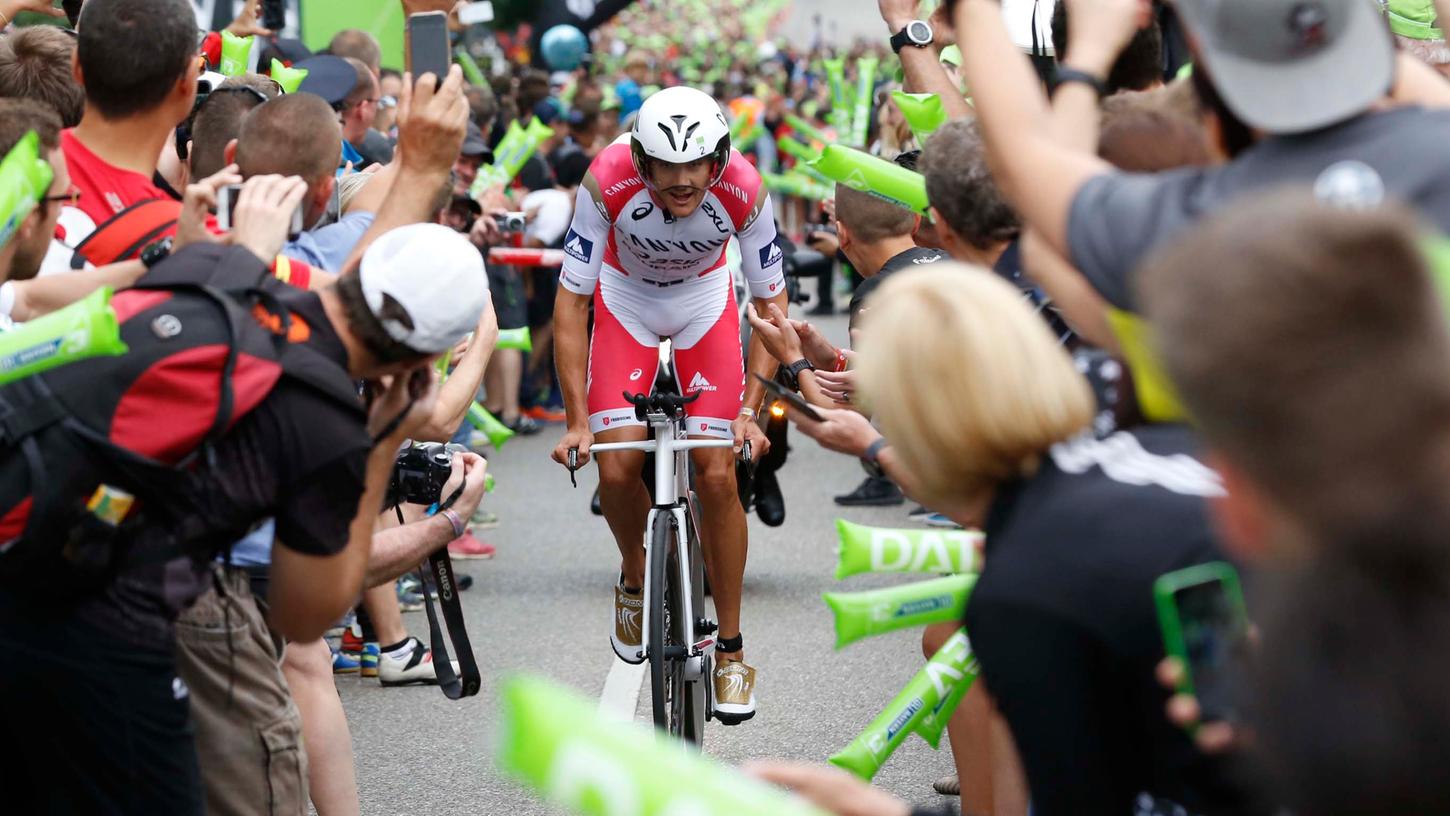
[(1205, 625), (227, 199), (428, 49)]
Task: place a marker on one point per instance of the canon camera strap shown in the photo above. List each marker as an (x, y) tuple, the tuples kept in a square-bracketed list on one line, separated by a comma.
[(467, 681)]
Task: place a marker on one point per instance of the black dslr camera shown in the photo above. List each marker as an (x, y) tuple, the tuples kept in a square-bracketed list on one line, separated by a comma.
[(419, 473)]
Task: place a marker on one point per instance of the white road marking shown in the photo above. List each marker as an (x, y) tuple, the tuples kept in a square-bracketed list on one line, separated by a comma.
[(620, 698), (623, 685)]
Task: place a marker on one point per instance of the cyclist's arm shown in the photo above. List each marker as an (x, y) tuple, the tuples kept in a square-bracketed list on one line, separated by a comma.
[(583, 254), (571, 354)]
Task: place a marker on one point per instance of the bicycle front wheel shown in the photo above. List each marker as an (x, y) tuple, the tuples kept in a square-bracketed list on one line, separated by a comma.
[(667, 648)]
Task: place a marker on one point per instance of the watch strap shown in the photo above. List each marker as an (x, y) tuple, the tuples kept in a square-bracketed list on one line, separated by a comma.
[(1066, 75), (800, 365), (900, 40), (873, 451)]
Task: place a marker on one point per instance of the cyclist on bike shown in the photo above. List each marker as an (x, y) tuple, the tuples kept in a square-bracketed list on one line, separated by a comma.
[(647, 245)]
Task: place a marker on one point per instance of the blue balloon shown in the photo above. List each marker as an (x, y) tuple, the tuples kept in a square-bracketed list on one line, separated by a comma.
[(563, 47)]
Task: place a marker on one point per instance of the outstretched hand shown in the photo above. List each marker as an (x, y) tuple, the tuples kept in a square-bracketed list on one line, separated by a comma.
[(10, 8), (829, 788), (776, 333), (246, 24)]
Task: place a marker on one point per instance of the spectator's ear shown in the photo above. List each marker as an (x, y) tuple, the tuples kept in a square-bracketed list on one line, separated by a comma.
[(843, 235), (229, 153), (75, 68), (322, 193), (1244, 516)]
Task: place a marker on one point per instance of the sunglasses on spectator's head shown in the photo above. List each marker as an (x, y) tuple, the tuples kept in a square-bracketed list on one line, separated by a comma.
[(183, 130)]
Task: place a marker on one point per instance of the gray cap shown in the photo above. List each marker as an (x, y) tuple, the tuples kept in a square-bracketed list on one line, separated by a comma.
[(1289, 66), (473, 143)]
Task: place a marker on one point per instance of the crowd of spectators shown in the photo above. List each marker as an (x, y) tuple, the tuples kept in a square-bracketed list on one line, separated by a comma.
[(1175, 300)]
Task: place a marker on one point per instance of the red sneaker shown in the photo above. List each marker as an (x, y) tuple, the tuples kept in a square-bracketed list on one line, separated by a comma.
[(466, 546), (352, 642), (542, 414)]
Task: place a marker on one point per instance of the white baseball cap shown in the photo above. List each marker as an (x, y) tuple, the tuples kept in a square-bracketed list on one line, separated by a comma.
[(426, 284)]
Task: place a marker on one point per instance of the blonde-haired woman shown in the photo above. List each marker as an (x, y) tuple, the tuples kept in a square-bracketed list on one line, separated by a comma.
[(985, 417)]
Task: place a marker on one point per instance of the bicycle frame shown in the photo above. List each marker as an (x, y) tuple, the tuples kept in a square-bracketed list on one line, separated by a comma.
[(670, 446)]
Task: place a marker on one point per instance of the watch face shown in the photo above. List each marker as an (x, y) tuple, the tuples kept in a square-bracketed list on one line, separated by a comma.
[(918, 32)]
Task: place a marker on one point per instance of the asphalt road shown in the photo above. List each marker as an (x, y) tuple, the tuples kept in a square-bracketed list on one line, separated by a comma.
[(543, 605)]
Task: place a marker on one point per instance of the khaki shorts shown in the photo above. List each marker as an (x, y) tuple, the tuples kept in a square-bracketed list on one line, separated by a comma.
[(248, 729)]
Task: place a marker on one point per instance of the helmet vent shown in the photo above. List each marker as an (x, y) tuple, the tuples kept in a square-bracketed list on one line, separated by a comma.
[(669, 135)]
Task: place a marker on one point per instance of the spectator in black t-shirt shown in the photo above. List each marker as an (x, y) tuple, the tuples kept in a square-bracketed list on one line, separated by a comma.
[(1062, 617)]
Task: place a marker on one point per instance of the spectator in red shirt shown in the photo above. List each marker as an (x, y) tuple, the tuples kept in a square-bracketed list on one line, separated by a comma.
[(137, 61)]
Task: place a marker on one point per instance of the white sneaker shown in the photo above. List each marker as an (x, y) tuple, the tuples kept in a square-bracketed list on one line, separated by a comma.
[(416, 668)]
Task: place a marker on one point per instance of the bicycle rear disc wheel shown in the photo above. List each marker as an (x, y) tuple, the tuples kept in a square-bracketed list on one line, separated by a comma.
[(666, 647)]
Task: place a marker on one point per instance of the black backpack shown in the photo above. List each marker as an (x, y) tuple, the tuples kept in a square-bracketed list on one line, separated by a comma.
[(107, 463)]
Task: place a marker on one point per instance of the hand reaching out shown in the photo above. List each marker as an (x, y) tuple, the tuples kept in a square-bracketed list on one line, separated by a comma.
[(246, 24), (839, 430), (776, 333), (10, 8), (829, 788)]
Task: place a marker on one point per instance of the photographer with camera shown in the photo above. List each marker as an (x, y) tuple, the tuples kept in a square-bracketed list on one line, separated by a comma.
[(318, 464)]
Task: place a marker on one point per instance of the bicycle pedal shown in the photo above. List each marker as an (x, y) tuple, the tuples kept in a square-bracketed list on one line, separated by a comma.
[(732, 719)]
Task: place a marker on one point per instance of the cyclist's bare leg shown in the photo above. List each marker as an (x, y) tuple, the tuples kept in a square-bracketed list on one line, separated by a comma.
[(624, 499), (722, 520)]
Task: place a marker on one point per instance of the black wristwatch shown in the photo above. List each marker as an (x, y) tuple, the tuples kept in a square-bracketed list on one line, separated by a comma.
[(1064, 75), (871, 459), (795, 369), (156, 252), (916, 32)]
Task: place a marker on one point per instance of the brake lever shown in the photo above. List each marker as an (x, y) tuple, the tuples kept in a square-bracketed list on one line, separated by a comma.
[(573, 466), (745, 453)]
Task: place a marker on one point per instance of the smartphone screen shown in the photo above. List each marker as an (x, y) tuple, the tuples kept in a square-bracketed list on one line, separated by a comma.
[(793, 399), (1206, 628), (428, 50), (227, 205)]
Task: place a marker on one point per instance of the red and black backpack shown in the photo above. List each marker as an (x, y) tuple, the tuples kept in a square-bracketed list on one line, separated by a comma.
[(108, 462)]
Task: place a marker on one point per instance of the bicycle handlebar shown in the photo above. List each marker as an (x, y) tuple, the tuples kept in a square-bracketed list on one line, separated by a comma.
[(671, 405)]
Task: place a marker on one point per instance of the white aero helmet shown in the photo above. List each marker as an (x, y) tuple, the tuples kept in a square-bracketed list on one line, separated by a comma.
[(680, 125)]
